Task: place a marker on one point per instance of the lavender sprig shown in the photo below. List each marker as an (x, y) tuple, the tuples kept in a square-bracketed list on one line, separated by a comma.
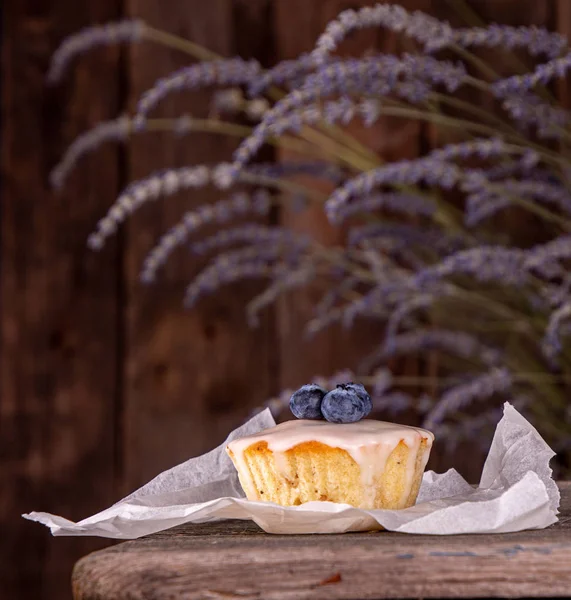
[(428, 170), (542, 255), (484, 263), (233, 71), (435, 240), (536, 40), (528, 110), (379, 76), (456, 343), (285, 282), (115, 130), (128, 30), (402, 312), (219, 212), (482, 148), (544, 192), (471, 429), (212, 280), (495, 381), (430, 32), (557, 294), (484, 203), (552, 344), (253, 262), (286, 73), (369, 305), (541, 75), (162, 183), (408, 204), (283, 169), (393, 403), (252, 234)]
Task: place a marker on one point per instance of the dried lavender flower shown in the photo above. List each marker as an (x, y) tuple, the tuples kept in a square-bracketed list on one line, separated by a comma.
[(528, 110), (382, 381), (219, 212), (484, 263), (378, 75), (233, 71), (430, 32), (250, 233), (544, 192), (481, 147), (283, 283), (431, 238), (208, 285), (254, 262), (402, 312), (495, 381), (552, 344), (431, 171), (162, 183), (115, 130), (128, 30), (393, 403), (457, 343), (483, 205), (542, 255), (541, 75), (287, 73), (536, 40), (408, 204), (283, 169)]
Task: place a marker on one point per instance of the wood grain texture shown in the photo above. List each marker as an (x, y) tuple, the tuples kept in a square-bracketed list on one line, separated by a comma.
[(58, 344), (234, 559), (191, 375)]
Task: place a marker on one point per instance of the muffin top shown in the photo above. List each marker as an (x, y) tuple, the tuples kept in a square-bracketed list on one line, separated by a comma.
[(352, 437)]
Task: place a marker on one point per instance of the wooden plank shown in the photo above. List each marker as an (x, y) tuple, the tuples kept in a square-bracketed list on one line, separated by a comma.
[(234, 559), (298, 25), (58, 344), (192, 376)]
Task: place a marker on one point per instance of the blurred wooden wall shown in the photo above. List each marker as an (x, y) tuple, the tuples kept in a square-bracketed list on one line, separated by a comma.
[(104, 383)]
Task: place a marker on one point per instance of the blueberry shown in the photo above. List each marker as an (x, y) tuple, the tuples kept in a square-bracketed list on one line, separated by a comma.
[(362, 393), (345, 405), (306, 402)]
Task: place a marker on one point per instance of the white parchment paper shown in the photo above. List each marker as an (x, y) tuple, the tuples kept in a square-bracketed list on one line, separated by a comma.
[(516, 492)]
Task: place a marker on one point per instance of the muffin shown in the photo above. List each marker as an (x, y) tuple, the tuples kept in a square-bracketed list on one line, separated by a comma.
[(367, 464)]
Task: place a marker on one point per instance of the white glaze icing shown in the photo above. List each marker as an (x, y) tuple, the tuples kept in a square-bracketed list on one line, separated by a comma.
[(368, 442)]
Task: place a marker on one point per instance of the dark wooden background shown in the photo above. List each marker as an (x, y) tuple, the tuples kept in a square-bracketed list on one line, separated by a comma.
[(104, 383)]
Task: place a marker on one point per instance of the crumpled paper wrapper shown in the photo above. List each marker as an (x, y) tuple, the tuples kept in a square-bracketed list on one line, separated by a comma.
[(516, 492)]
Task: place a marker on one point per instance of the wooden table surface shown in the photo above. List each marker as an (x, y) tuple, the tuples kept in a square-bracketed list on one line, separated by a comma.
[(235, 559)]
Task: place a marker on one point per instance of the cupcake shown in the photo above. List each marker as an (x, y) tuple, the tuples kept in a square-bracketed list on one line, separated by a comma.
[(365, 463)]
